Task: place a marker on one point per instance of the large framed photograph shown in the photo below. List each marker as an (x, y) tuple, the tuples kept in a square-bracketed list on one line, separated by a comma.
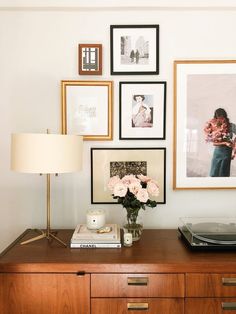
[(134, 49), (90, 59), (142, 110), (108, 162), (87, 109), (204, 118)]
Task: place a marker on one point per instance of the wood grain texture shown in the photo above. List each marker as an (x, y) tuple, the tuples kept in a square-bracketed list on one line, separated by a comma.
[(158, 251), (209, 285), (119, 306), (116, 285), (44, 293), (44, 277), (207, 306)]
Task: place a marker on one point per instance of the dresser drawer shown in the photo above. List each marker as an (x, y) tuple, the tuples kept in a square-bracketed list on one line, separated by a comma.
[(211, 285), (129, 306), (210, 306), (137, 285)]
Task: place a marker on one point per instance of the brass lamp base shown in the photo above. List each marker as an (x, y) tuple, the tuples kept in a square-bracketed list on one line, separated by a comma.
[(48, 235)]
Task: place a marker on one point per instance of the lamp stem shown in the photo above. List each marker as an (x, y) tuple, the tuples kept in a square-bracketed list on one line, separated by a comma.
[(48, 234), (48, 205)]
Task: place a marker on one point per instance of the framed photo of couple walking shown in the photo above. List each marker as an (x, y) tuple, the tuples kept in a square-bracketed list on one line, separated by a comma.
[(204, 124), (142, 110), (134, 49)]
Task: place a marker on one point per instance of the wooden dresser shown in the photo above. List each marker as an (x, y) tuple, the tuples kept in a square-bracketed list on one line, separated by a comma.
[(157, 275)]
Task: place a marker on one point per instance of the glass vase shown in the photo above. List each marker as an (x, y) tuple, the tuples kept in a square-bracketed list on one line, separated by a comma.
[(133, 224)]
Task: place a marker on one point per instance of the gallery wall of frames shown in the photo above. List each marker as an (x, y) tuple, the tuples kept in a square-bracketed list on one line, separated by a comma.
[(141, 85), (87, 108)]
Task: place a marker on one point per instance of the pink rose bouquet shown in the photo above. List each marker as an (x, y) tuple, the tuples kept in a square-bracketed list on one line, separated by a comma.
[(134, 193)]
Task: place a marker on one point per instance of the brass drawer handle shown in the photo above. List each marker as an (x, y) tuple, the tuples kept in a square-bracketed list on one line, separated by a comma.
[(228, 306), (229, 281), (137, 306), (137, 281)]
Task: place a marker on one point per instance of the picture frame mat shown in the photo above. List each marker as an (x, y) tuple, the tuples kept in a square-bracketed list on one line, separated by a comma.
[(149, 33), (102, 157), (182, 69), (127, 91), (105, 108), (82, 101)]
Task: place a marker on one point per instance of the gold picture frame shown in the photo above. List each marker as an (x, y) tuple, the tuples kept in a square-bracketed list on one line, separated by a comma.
[(200, 88), (87, 109)]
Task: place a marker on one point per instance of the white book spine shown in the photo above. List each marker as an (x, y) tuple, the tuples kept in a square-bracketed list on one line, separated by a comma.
[(95, 245), (104, 241)]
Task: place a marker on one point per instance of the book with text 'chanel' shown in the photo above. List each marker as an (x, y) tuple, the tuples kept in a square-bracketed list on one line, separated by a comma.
[(95, 245)]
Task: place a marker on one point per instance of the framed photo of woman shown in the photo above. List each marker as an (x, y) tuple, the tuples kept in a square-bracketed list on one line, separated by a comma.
[(142, 110), (204, 124)]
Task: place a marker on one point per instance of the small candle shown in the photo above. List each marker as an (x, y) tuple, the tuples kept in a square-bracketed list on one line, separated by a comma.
[(95, 219), (128, 240)]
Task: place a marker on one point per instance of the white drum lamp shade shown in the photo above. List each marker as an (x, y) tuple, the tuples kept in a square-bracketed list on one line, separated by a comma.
[(46, 153)]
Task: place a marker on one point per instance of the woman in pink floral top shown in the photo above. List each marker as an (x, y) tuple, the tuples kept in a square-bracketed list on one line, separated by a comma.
[(219, 131)]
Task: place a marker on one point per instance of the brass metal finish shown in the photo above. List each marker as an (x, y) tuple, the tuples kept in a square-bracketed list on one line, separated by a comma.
[(137, 281), (48, 234), (109, 122), (229, 281), (137, 306), (228, 306)]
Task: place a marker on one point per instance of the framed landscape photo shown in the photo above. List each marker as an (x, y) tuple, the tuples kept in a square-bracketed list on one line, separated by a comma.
[(142, 110), (90, 59), (107, 162), (204, 124), (87, 109), (134, 49)]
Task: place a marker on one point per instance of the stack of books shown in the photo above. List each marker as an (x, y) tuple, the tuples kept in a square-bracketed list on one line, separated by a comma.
[(86, 238)]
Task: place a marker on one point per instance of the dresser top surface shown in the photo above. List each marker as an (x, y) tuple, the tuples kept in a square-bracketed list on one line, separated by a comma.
[(158, 250)]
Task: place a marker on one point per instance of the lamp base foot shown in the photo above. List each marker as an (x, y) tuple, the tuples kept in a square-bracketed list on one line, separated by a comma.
[(49, 235)]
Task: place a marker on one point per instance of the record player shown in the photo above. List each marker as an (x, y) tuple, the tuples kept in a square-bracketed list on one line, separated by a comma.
[(209, 233)]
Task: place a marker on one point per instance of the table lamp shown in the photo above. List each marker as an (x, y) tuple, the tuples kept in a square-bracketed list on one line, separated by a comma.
[(46, 154)]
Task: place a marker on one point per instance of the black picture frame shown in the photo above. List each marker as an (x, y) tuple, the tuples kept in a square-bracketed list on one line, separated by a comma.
[(101, 158), (150, 124), (146, 58)]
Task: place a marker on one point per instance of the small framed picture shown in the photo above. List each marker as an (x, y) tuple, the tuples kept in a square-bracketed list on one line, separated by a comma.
[(204, 124), (134, 49), (142, 110), (87, 109), (108, 162), (90, 59)]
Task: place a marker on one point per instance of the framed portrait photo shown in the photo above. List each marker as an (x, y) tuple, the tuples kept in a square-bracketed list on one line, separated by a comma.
[(90, 59), (134, 49), (108, 162), (204, 124), (87, 109), (142, 110)]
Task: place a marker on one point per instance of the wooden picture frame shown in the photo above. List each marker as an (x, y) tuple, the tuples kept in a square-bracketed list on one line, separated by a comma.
[(200, 88), (142, 110), (90, 59), (87, 108), (107, 161), (134, 49)]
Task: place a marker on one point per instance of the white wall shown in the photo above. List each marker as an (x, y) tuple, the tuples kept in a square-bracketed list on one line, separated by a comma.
[(38, 49)]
